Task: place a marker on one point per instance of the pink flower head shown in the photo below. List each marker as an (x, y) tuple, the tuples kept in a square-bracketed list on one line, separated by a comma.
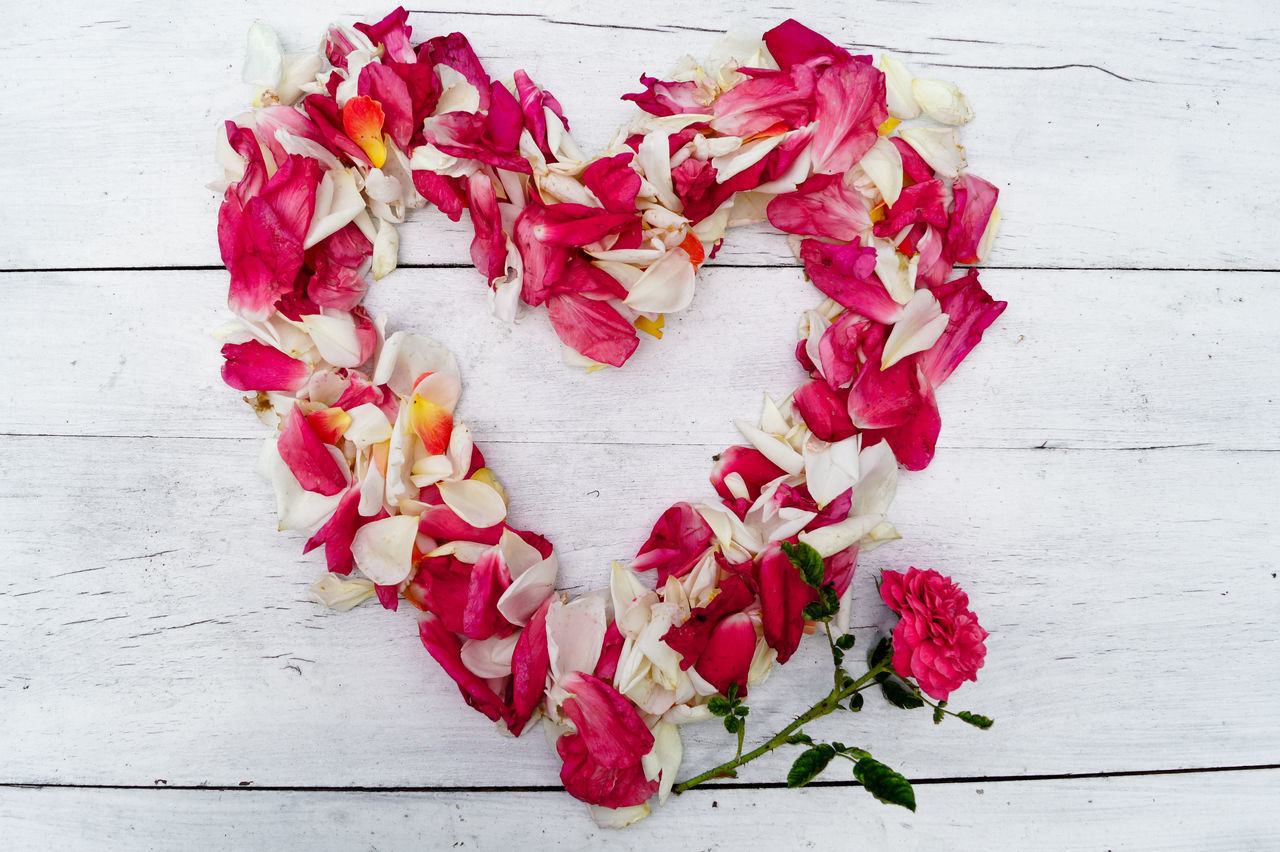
[(602, 759), (938, 641)]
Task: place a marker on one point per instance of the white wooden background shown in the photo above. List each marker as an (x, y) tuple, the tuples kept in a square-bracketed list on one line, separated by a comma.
[(1105, 486)]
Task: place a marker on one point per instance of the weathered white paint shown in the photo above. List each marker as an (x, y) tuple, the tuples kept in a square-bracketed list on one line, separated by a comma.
[(154, 626), (1079, 359), (111, 161), (1163, 813)]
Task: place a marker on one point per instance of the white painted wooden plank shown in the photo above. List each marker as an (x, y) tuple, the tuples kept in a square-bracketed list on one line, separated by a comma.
[(1117, 359), (108, 147), (154, 625), (1195, 813)]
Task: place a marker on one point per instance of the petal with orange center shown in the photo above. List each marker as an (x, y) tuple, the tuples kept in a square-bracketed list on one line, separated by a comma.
[(433, 423), (362, 120), (329, 424)]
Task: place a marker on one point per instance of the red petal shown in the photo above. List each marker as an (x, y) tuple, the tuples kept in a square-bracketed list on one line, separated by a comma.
[(530, 663), (308, 457), (971, 311), (747, 462), (489, 579), (690, 639), (783, 597), (445, 647), (846, 273), (678, 540), (592, 328), (727, 657), (254, 366)]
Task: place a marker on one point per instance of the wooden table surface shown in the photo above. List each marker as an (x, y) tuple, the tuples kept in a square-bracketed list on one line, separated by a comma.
[(1105, 486)]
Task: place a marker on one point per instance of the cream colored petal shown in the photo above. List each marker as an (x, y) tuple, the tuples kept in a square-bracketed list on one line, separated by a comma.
[(920, 326), (474, 502), (341, 593), (897, 85), (942, 101), (383, 550), (939, 146)]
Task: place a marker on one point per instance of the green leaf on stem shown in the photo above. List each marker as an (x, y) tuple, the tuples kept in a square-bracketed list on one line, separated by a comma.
[(719, 706), (732, 694), (807, 560), (884, 783), (809, 764), (974, 719), (939, 712), (899, 696), (741, 710), (856, 702), (733, 724), (800, 738), (845, 642), (838, 656), (880, 653)]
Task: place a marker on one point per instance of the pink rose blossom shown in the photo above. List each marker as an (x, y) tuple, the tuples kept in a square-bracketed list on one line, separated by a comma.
[(938, 641)]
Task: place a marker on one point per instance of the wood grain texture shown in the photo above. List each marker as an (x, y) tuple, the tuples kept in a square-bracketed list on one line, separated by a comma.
[(154, 628), (1112, 813), (159, 628), (1098, 120), (1080, 359)]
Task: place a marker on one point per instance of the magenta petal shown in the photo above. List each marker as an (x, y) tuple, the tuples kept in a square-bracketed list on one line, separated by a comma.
[(589, 781), (264, 258), (913, 165), (614, 182), (824, 411), (455, 51), (783, 597), (970, 310), (489, 247), (444, 192), (749, 463), (846, 273), (254, 366), (489, 579), (822, 206), (913, 441), (849, 108), (440, 523), (766, 99), (881, 399), (727, 657), (393, 33), (338, 532), (592, 328), (922, 202), (607, 721), (392, 93), (610, 653), (678, 540), (440, 586), (308, 457), (690, 638), (445, 647), (974, 201), (667, 98), (388, 596), (841, 345), (792, 43), (530, 663), (505, 120), (584, 279)]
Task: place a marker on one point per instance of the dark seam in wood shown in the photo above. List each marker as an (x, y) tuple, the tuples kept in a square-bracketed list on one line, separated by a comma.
[(249, 786)]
